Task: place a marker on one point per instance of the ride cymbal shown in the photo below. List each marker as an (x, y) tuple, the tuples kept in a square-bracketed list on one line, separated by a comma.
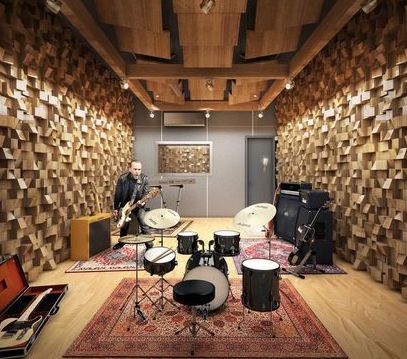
[(254, 216), (161, 218)]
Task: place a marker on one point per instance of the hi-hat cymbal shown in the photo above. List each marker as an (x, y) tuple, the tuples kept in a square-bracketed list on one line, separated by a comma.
[(254, 216), (161, 218), (134, 239)]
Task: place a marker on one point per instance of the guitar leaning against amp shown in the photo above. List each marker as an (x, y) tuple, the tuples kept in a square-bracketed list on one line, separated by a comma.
[(18, 331)]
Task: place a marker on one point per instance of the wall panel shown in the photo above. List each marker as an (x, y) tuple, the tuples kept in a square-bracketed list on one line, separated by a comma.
[(344, 128)]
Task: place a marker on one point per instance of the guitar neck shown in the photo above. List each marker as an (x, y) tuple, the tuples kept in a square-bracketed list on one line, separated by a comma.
[(33, 305)]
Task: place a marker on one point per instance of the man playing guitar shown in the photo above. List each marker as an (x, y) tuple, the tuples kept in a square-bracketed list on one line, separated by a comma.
[(131, 188)]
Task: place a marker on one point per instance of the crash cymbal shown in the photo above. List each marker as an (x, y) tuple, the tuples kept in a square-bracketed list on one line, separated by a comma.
[(254, 216), (161, 218), (136, 239)]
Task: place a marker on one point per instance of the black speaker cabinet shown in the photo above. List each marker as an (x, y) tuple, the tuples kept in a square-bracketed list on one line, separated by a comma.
[(286, 216), (313, 199), (323, 245)]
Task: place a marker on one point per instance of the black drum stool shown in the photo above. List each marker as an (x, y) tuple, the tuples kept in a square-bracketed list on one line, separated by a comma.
[(194, 292)]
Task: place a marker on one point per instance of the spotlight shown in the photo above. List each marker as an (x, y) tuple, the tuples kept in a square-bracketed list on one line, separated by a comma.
[(209, 85), (124, 84), (207, 114), (289, 84), (207, 5), (152, 115), (260, 114), (53, 5)]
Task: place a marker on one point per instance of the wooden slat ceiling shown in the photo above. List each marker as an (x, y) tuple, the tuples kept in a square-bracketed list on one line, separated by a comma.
[(174, 48)]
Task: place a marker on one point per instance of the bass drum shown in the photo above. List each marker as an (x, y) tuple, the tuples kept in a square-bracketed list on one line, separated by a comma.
[(217, 278), (211, 259)]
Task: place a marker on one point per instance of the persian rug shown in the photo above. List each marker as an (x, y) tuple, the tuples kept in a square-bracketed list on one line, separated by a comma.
[(114, 332), (122, 259), (255, 248), (173, 231)]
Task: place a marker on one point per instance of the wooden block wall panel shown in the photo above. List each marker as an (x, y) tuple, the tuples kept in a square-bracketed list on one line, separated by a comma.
[(344, 128), (65, 134)]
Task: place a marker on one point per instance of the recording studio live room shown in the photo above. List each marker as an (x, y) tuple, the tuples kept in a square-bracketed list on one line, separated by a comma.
[(203, 179)]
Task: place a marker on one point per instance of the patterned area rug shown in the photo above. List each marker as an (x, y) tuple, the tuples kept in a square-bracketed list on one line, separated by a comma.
[(173, 231), (111, 260), (116, 333), (255, 248)]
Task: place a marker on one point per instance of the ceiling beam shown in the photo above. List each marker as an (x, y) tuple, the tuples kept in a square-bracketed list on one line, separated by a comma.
[(271, 70), (207, 105), (339, 15), (78, 15)]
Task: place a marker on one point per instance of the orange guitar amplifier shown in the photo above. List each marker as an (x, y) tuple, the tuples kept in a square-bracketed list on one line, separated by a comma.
[(24, 310)]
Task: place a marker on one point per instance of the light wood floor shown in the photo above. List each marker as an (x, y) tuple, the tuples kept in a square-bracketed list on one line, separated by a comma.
[(367, 319)]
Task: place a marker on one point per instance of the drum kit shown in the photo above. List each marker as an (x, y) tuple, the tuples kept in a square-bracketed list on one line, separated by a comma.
[(260, 285)]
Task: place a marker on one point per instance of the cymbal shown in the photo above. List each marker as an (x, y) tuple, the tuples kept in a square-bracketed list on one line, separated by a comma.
[(134, 239), (254, 216), (161, 218)]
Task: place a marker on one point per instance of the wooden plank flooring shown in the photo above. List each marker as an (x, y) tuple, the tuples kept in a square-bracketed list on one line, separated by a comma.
[(367, 319)]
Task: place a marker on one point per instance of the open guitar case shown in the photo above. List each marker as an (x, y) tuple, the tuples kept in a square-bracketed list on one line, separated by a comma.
[(16, 296)]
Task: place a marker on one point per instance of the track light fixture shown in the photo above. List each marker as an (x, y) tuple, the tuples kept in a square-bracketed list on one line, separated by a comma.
[(209, 85), (289, 84), (369, 6), (152, 114), (260, 114), (207, 5), (53, 5), (207, 114), (124, 84)]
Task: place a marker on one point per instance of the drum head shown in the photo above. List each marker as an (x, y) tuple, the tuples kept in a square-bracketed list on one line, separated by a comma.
[(227, 233), (156, 252), (217, 278), (187, 234), (260, 264)]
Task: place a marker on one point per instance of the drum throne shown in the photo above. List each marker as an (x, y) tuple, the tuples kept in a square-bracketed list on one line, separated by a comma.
[(194, 293)]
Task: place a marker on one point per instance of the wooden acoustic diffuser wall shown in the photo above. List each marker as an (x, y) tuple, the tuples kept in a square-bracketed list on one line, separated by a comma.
[(344, 128), (65, 134)]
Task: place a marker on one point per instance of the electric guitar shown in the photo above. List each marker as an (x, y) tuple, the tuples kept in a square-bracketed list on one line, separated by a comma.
[(17, 331), (307, 232), (124, 214)]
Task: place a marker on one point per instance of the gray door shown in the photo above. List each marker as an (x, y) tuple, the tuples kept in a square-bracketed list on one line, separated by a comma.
[(260, 170)]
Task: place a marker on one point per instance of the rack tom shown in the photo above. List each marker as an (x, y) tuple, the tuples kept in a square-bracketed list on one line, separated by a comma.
[(187, 242), (227, 243)]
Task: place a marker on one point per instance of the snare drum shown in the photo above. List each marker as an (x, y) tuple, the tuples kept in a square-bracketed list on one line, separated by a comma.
[(187, 242), (260, 288), (159, 260), (217, 278), (227, 243)]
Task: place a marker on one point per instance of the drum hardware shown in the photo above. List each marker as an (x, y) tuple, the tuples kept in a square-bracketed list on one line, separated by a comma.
[(131, 239), (180, 187), (156, 264)]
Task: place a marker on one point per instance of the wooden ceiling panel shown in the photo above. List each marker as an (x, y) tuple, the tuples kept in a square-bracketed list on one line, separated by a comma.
[(224, 6), (271, 42), (164, 92), (246, 91), (199, 91), (144, 42), (137, 14), (208, 56), (281, 14), (213, 30)]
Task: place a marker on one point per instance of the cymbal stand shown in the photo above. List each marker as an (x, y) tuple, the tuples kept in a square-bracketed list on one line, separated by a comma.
[(137, 309), (180, 187)]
